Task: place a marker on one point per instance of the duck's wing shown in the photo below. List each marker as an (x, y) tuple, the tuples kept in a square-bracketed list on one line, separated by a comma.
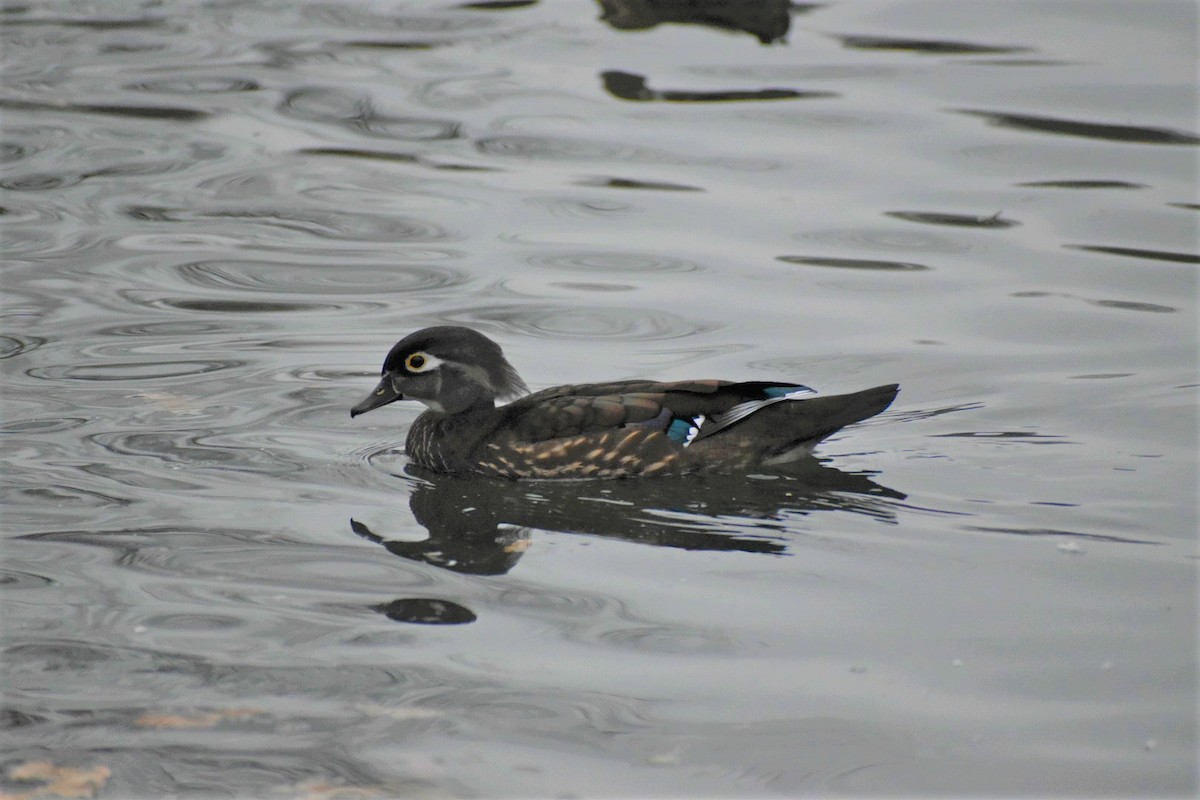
[(577, 409), (596, 430)]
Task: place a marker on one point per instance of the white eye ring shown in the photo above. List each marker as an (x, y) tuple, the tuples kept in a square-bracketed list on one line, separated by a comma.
[(421, 361)]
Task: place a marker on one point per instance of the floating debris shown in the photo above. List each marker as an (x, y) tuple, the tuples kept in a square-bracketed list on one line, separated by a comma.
[(73, 782), (183, 721)]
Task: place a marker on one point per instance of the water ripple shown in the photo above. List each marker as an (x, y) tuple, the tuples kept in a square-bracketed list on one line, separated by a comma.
[(581, 208), (585, 323), (194, 622), (52, 655), (887, 239), (1082, 184), (1124, 305), (124, 111), (228, 306), (356, 17), (130, 370), (358, 113), (928, 46), (1092, 130), (39, 182), (181, 327), (61, 495), (632, 87), (475, 90), (12, 580), (854, 263), (246, 564), (550, 148), (671, 639), (619, 261), (16, 344), (320, 223), (12, 151), (19, 240), (1138, 252), (545, 713), (195, 85), (43, 425), (612, 182), (57, 158), (291, 277), (198, 448), (542, 600), (954, 220)]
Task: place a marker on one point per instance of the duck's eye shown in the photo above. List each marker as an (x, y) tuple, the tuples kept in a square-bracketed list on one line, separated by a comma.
[(417, 362)]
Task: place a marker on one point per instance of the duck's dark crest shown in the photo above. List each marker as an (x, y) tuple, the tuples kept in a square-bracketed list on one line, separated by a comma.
[(472, 352)]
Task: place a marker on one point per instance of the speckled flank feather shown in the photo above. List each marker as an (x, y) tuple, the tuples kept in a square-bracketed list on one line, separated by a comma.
[(618, 453)]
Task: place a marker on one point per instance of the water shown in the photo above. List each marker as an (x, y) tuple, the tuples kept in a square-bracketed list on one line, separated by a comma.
[(219, 216)]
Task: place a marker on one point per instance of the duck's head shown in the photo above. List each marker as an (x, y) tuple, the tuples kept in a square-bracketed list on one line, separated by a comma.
[(448, 368)]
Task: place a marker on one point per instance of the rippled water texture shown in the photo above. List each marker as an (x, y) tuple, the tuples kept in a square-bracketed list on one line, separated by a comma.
[(218, 216)]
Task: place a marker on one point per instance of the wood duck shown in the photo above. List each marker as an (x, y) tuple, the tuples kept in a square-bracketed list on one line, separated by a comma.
[(622, 429)]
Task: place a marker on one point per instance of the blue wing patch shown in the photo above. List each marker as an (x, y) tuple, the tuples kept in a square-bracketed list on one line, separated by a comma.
[(788, 392), (686, 432)]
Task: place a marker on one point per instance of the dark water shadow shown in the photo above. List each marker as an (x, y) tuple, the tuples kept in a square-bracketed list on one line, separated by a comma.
[(482, 526), (1081, 184), (1058, 533), (631, 86), (854, 263), (499, 5), (1138, 252), (994, 221), (169, 113), (1135, 134), (938, 47)]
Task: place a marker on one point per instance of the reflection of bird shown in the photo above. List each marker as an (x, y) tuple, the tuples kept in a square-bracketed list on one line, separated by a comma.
[(598, 430), (482, 526), (768, 20)]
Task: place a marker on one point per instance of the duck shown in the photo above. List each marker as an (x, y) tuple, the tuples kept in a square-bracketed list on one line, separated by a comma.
[(618, 429)]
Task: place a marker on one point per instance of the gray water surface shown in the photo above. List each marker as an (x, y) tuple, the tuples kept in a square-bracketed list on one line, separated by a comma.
[(218, 217)]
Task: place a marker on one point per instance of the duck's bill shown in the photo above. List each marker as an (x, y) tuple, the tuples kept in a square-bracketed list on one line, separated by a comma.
[(380, 396)]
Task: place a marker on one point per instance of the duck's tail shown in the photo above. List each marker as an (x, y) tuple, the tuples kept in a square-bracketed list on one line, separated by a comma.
[(800, 424)]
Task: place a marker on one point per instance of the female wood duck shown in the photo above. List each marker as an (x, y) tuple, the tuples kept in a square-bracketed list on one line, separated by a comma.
[(622, 429)]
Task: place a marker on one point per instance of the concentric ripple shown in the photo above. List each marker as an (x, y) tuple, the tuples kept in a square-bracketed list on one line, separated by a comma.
[(195, 85), (199, 449), (358, 112), (673, 639), (319, 223), (278, 276), (130, 371), (887, 239), (588, 323), (244, 307), (602, 261), (15, 344), (549, 148)]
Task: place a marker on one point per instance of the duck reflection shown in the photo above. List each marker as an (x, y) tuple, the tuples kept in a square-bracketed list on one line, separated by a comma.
[(766, 20), (425, 611), (481, 526)]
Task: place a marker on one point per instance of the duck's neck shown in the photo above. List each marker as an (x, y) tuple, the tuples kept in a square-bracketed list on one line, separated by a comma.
[(444, 442)]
